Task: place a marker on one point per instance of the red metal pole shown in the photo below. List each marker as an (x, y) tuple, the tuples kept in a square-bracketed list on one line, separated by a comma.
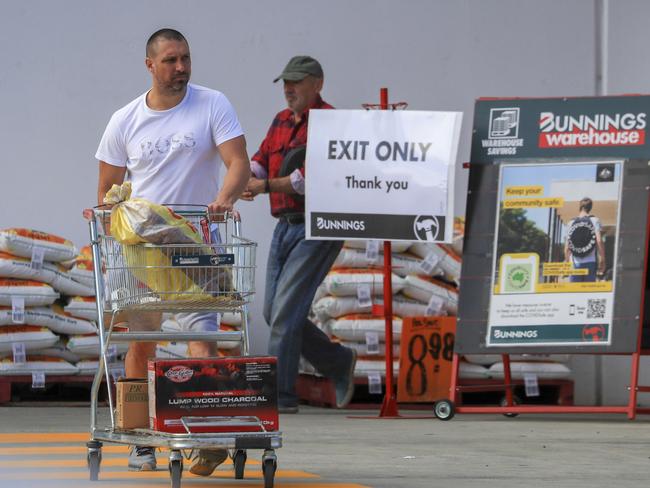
[(508, 380), (389, 405), (454, 396)]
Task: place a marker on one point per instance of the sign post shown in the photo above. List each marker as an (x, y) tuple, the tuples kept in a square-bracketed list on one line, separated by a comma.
[(389, 405)]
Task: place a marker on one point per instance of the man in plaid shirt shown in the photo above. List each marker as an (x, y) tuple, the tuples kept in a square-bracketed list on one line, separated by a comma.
[(296, 266)]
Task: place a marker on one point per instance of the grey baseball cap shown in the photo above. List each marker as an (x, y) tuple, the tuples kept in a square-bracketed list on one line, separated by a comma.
[(300, 66)]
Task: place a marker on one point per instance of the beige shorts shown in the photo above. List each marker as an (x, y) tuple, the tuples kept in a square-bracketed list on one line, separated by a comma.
[(151, 321)]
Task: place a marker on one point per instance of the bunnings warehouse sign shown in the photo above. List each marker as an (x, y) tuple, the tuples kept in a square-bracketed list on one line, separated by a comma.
[(556, 213), (384, 175), (562, 127)]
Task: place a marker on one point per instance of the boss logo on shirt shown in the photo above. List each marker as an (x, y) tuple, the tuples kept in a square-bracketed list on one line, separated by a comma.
[(166, 144)]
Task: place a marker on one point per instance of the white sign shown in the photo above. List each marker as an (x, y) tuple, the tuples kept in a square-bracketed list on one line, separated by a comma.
[(386, 175)]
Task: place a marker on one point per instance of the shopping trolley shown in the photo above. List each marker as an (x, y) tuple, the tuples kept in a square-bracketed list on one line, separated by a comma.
[(215, 276)]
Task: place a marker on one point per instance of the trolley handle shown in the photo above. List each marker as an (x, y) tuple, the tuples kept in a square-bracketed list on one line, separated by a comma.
[(224, 217), (243, 421)]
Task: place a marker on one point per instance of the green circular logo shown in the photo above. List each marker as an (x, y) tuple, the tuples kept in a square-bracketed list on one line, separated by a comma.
[(518, 277)]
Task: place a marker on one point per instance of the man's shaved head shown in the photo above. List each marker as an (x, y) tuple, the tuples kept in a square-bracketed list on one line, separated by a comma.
[(166, 34)]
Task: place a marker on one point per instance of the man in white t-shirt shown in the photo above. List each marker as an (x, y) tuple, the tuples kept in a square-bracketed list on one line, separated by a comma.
[(584, 246), (171, 141)]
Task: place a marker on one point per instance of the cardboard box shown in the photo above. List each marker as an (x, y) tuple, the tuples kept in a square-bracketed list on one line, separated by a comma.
[(132, 403), (221, 387)]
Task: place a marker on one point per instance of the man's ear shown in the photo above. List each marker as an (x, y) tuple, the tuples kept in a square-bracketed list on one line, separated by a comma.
[(149, 64), (319, 84)]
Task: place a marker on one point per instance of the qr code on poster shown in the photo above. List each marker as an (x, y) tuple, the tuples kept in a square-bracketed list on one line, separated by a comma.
[(596, 308)]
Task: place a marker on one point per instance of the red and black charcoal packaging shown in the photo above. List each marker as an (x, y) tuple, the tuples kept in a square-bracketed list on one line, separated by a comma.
[(212, 387)]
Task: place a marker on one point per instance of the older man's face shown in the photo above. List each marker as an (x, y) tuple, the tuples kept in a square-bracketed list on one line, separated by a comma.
[(301, 94)]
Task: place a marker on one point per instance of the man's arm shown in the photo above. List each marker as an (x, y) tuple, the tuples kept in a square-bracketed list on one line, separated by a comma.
[(233, 153), (278, 185), (109, 175)]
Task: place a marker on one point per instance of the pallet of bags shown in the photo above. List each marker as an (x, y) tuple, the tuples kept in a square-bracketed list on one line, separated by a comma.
[(347, 282), (43, 264), (442, 257), (53, 317), (89, 366), (348, 305), (82, 307), (441, 298), (30, 336), (403, 263), (366, 334), (27, 243), (86, 346), (49, 365), (543, 366), (331, 307)]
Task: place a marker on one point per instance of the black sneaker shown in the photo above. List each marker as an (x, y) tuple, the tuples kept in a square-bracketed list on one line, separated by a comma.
[(344, 386)]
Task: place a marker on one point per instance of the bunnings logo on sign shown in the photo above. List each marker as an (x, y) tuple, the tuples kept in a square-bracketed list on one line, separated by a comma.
[(597, 130)]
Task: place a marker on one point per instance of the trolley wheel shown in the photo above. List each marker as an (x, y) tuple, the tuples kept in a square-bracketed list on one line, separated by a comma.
[(239, 460), (269, 465), (444, 409), (176, 472), (504, 403), (94, 459)]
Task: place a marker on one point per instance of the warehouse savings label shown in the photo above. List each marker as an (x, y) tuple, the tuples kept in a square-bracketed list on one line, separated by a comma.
[(579, 127), (385, 175), (554, 268)]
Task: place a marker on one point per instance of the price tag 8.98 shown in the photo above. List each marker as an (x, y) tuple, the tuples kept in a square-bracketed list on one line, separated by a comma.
[(427, 350)]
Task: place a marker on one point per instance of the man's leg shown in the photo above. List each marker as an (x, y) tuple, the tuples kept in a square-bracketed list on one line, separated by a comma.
[(304, 267), (141, 458), (207, 460), (277, 257)]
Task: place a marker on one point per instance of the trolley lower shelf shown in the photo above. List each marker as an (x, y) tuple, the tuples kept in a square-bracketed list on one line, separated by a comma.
[(238, 442), (208, 440)]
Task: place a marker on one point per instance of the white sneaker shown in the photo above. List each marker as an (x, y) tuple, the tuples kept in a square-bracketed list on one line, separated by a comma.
[(142, 458)]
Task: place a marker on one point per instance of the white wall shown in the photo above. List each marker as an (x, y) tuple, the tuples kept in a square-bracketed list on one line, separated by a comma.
[(68, 65)]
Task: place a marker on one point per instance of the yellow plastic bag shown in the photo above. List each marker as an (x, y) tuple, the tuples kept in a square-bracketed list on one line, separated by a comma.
[(136, 221)]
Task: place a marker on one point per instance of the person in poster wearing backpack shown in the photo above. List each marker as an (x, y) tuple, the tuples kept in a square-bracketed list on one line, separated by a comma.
[(584, 246)]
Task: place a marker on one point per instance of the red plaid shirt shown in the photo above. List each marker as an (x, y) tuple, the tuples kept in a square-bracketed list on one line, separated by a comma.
[(284, 135)]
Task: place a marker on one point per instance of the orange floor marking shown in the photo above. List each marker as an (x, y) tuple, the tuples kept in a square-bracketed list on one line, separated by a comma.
[(82, 451), (41, 438), (49, 450), (134, 475), (113, 473)]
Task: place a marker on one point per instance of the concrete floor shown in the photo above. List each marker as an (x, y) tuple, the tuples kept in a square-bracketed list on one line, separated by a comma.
[(470, 451)]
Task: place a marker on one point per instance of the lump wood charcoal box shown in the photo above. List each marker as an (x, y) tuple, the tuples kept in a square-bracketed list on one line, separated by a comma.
[(212, 387)]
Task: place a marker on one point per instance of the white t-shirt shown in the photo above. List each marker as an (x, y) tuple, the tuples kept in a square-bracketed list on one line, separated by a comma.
[(171, 155)]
